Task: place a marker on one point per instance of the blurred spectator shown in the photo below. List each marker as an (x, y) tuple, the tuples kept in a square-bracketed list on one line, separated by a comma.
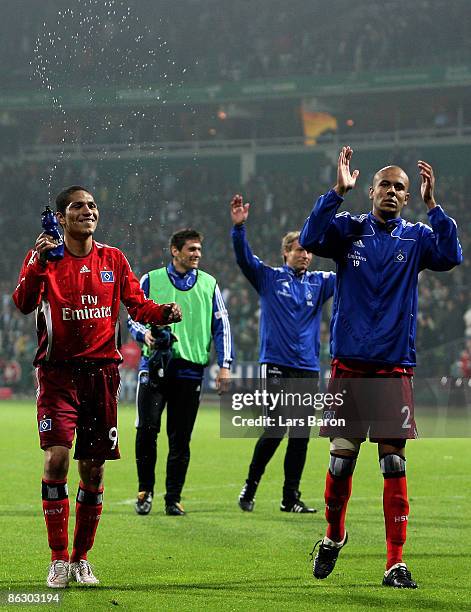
[(200, 40), (465, 360), (131, 353), (467, 321)]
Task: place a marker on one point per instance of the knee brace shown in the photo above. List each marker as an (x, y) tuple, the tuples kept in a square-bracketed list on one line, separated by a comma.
[(340, 466), (392, 465)]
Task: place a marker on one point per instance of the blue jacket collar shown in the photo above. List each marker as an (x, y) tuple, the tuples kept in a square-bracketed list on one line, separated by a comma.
[(396, 222), (173, 272), (291, 271)]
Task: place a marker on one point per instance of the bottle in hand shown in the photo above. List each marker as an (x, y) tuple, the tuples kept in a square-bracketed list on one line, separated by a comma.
[(51, 227)]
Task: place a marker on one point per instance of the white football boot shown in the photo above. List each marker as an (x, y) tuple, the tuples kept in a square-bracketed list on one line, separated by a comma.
[(81, 572), (58, 577)]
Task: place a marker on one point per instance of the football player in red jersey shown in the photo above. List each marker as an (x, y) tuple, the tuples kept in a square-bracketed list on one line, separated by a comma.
[(77, 301)]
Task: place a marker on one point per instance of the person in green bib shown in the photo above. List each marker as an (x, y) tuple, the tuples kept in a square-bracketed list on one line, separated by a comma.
[(181, 352)]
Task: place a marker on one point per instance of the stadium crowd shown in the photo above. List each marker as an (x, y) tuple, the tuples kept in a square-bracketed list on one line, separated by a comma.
[(248, 40), (143, 208)]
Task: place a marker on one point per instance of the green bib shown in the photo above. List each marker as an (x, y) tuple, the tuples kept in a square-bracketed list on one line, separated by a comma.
[(194, 330)]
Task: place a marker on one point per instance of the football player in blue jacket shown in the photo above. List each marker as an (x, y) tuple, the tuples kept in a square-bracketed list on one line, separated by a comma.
[(291, 300), (379, 256)]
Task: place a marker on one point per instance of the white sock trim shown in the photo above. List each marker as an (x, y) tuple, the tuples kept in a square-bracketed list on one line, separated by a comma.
[(387, 572), (328, 542)]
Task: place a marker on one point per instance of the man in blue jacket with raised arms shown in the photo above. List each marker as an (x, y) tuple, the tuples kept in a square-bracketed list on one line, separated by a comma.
[(379, 256), (291, 300)]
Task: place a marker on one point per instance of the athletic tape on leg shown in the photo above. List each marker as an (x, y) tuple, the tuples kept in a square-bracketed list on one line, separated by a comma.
[(351, 444)]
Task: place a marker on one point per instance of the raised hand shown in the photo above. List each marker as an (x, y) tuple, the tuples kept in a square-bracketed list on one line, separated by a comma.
[(345, 179), (427, 185), (239, 210)]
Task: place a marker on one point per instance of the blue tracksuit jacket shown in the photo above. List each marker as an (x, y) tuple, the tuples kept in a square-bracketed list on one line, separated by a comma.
[(374, 315), (291, 307)]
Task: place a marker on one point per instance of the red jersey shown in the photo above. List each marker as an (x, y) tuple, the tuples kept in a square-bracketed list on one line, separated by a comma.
[(77, 302)]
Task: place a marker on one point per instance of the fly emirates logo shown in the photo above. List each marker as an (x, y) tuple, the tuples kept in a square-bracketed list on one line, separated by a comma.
[(90, 310)]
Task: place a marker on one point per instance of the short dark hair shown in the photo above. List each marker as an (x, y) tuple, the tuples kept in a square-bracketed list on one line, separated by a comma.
[(179, 238), (62, 199)]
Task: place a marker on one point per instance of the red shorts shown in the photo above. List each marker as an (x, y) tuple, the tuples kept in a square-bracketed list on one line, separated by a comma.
[(79, 398), (375, 402)]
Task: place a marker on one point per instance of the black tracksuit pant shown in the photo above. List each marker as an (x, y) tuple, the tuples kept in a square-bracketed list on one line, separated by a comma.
[(181, 396), (296, 450)]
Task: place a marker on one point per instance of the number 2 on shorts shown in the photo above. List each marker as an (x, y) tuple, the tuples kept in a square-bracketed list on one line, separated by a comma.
[(404, 410)]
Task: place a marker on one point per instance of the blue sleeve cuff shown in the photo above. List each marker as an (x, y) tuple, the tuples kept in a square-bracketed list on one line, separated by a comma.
[(332, 194), (435, 211), (140, 337), (238, 229)]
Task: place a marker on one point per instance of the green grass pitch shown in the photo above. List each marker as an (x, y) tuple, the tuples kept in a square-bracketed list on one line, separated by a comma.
[(218, 558)]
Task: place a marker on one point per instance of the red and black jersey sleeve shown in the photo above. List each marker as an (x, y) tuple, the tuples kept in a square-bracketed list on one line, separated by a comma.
[(27, 295), (140, 308)]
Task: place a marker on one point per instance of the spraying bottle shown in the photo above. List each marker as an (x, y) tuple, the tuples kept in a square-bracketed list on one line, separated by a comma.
[(51, 228)]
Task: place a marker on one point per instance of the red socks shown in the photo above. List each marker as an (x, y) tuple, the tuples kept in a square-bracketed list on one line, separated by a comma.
[(338, 488), (87, 515), (56, 515), (396, 513), (337, 494)]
